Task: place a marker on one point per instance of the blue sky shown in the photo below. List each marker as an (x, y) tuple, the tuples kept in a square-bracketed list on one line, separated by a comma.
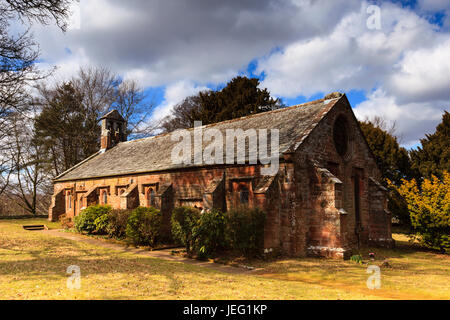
[(391, 60)]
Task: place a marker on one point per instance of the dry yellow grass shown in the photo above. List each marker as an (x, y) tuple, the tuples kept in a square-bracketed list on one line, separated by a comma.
[(33, 266), (415, 273)]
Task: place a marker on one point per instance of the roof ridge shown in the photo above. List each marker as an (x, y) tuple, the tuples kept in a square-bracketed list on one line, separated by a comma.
[(235, 119)]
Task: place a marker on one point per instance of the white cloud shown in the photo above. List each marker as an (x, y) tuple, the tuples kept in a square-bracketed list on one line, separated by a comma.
[(67, 67), (351, 57), (423, 75), (174, 94), (165, 42), (324, 46), (406, 62), (412, 120)]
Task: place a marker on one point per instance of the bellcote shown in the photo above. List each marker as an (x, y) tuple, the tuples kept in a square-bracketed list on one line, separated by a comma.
[(114, 128)]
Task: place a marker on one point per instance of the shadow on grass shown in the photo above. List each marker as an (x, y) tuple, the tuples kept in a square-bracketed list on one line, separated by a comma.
[(53, 256)]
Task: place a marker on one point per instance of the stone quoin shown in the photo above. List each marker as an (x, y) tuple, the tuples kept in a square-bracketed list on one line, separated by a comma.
[(325, 200)]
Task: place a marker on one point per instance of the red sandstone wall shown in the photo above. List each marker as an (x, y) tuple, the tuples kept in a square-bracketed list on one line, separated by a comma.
[(322, 221)]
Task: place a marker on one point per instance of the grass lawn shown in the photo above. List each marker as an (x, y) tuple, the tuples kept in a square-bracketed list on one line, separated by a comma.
[(33, 266)]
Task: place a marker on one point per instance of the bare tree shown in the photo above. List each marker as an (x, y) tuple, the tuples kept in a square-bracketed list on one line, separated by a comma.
[(42, 11), (182, 115), (103, 90), (5, 170), (19, 52), (134, 105), (390, 128), (29, 172), (18, 56), (67, 126), (98, 86)]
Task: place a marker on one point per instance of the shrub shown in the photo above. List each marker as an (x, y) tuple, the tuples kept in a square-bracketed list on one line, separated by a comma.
[(184, 220), (397, 205), (209, 233), (429, 208), (357, 258), (92, 220), (101, 223), (143, 226), (65, 221), (245, 230), (117, 223)]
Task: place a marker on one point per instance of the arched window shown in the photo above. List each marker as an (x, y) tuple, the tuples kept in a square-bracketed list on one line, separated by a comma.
[(151, 202), (340, 135), (244, 195), (105, 197), (69, 200)]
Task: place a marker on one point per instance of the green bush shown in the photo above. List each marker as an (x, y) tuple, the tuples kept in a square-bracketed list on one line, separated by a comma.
[(203, 234), (245, 230), (117, 223), (209, 233), (92, 220), (357, 258), (184, 220), (101, 223), (143, 226)]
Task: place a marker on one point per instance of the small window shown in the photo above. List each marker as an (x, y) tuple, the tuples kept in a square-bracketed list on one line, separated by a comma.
[(70, 201), (244, 195), (151, 198), (105, 197)]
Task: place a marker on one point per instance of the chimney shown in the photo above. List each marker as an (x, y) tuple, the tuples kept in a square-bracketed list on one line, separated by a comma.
[(114, 128)]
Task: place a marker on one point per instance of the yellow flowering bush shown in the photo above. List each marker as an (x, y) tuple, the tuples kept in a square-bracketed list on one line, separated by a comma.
[(429, 207)]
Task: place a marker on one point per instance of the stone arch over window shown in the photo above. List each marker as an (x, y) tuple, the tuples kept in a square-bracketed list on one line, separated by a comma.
[(341, 135), (151, 197)]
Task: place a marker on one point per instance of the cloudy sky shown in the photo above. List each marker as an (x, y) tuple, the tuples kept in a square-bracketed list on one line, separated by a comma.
[(392, 60)]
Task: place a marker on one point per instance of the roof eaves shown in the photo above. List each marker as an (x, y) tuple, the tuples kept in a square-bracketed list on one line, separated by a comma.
[(58, 178)]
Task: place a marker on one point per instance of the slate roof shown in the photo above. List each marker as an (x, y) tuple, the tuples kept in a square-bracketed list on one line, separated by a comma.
[(114, 114), (154, 153)]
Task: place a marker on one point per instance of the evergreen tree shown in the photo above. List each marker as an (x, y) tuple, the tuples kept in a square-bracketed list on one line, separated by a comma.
[(392, 159), (67, 130), (434, 155), (240, 97)]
